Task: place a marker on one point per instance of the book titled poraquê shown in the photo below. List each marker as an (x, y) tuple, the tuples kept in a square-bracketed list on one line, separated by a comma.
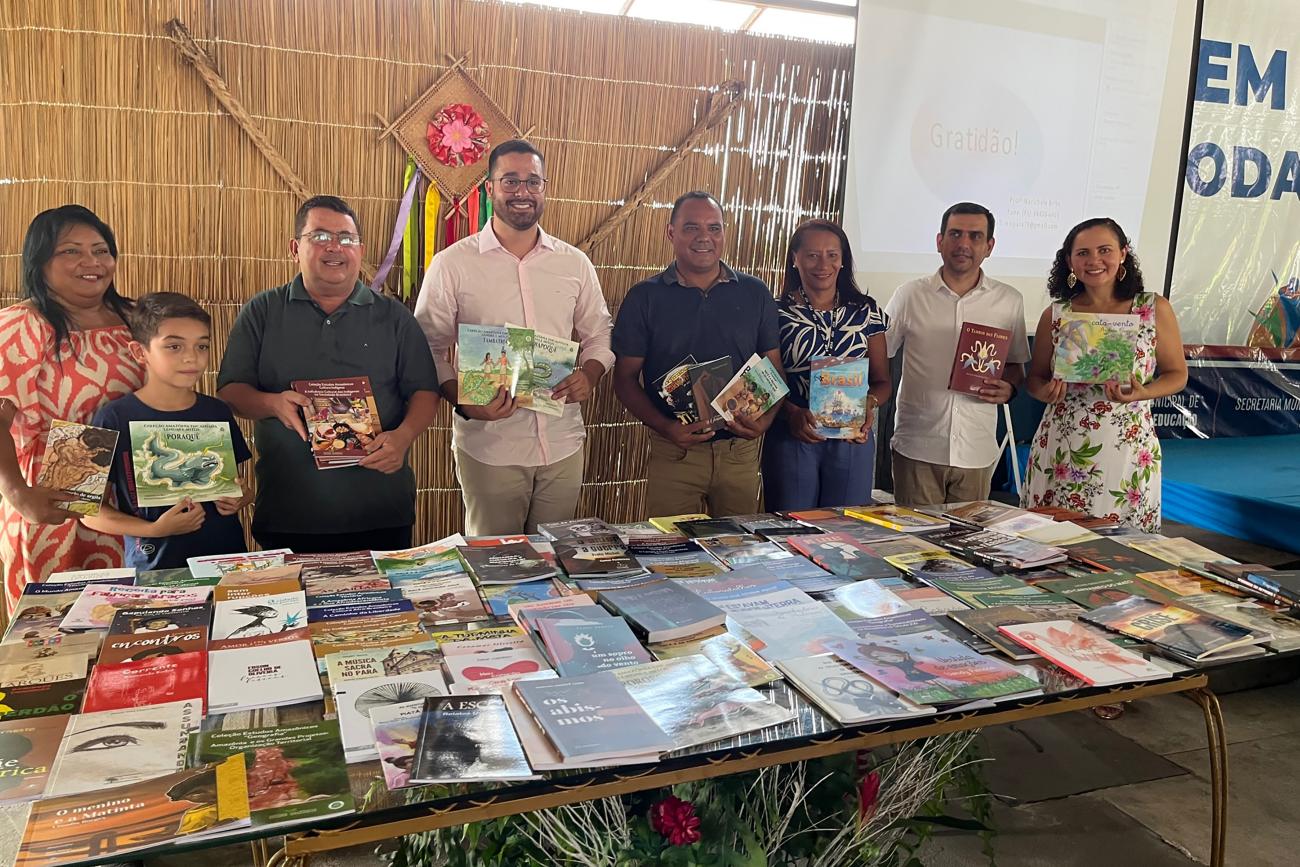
[(176, 460)]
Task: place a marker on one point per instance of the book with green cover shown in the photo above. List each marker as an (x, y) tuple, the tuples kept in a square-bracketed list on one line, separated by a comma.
[(294, 772), (490, 357), (1096, 347), (554, 359), (175, 460)]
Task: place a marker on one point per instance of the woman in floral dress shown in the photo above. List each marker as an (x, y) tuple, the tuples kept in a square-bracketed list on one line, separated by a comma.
[(1096, 449), (63, 355)]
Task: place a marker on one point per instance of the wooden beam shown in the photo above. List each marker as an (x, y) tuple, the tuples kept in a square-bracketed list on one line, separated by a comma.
[(206, 67), (722, 102)]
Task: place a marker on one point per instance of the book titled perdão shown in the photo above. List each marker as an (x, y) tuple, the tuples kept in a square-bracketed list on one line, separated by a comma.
[(981, 354), (342, 419), (172, 461)]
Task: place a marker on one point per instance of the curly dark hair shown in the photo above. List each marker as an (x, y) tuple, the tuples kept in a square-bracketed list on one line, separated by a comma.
[(101, 442), (847, 291), (1129, 287)]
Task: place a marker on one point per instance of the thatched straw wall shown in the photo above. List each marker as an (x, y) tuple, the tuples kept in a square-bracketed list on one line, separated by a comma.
[(97, 108)]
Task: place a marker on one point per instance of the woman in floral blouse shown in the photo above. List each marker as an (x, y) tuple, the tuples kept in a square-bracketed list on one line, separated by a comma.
[(1096, 449), (823, 314)]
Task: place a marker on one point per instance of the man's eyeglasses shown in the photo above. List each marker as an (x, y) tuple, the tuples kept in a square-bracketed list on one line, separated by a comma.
[(511, 184), (320, 238)]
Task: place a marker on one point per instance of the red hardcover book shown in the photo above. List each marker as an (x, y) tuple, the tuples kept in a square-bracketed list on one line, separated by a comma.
[(155, 680), (981, 354), (342, 419)]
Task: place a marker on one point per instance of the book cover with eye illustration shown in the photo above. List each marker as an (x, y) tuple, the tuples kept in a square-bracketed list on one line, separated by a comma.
[(77, 461), (175, 460), (117, 747), (342, 419), (1096, 347), (981, 354)]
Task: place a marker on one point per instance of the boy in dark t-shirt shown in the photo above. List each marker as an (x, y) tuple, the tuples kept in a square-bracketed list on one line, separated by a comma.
[(172, 338)]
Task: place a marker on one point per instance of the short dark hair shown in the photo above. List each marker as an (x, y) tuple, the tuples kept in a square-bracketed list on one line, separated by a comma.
[(1058, 279), (152, 309), (691, 196), (513, 146), (966, 208), (38, 249), (329, 203)]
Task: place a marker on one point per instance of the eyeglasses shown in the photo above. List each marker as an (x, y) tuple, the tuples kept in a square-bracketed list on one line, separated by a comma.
[(320, 238), (511, 184)]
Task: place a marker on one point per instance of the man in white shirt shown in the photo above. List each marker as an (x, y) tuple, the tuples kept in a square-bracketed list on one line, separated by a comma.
[(945, 443)]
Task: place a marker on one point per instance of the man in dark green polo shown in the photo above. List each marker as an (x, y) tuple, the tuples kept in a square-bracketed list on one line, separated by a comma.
[(326, 324)]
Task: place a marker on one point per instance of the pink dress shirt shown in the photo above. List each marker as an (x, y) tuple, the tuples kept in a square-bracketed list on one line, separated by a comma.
[(552, 289)]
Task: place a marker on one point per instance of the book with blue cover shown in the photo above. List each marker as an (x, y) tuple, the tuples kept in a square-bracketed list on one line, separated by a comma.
[(837, 395)]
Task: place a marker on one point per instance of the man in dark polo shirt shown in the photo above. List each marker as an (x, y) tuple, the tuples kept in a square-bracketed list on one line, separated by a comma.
[(326, 324), (697, 307)]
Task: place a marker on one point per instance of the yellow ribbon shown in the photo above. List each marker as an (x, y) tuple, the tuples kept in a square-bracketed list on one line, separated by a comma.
[(432, 222)]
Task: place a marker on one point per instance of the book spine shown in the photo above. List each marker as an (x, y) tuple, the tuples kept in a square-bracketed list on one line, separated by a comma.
[(1272, 587)]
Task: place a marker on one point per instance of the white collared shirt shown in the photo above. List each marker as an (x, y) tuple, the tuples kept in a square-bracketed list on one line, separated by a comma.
[(931, 423)]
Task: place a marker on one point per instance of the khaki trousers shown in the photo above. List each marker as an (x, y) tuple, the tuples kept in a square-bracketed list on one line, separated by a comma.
[(716, 478), (917, 483), (502, 501)]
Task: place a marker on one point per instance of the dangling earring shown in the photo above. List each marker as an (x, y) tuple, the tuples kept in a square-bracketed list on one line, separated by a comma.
[(1121, 273), (1071, 281)]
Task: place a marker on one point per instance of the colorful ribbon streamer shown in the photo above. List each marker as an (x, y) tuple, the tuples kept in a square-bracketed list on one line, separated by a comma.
[(410, 240), (399, 229), (432, 222)]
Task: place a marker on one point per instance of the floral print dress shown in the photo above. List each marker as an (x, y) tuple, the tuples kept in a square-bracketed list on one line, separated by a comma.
[(1098, 457)]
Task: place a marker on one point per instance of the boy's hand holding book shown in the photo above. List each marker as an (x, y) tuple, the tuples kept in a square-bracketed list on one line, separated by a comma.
[(184, 517)]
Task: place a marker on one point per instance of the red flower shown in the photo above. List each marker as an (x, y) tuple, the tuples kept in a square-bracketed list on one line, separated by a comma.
[(869, 791), (675, 819), (457, 135)]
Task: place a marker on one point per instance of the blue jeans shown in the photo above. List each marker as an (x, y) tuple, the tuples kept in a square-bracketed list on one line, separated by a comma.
[(799, 475)]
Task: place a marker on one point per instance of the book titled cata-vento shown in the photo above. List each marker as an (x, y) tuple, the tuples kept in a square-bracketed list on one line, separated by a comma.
[(981, 354)]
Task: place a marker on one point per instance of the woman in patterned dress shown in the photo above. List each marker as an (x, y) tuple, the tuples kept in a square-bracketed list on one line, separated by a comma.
[(63, 355), (823, 313), (1096, 449)]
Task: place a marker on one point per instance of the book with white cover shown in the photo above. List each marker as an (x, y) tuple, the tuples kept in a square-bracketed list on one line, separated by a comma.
[(694, 702), (261, 615), (118, 747), (356, 699), (262, 671), (845, 694), (1085, 651), (124, 576)]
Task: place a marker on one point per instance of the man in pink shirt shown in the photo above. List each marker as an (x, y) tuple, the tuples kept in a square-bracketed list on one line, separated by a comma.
[(516, 468)]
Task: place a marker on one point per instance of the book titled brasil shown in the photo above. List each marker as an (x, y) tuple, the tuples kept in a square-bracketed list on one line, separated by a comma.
[(981, 354), (837, 396), (342, 419), (172, 461), (466, 739)]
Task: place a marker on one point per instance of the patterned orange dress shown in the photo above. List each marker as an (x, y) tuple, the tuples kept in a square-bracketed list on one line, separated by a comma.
[(71, 387)]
